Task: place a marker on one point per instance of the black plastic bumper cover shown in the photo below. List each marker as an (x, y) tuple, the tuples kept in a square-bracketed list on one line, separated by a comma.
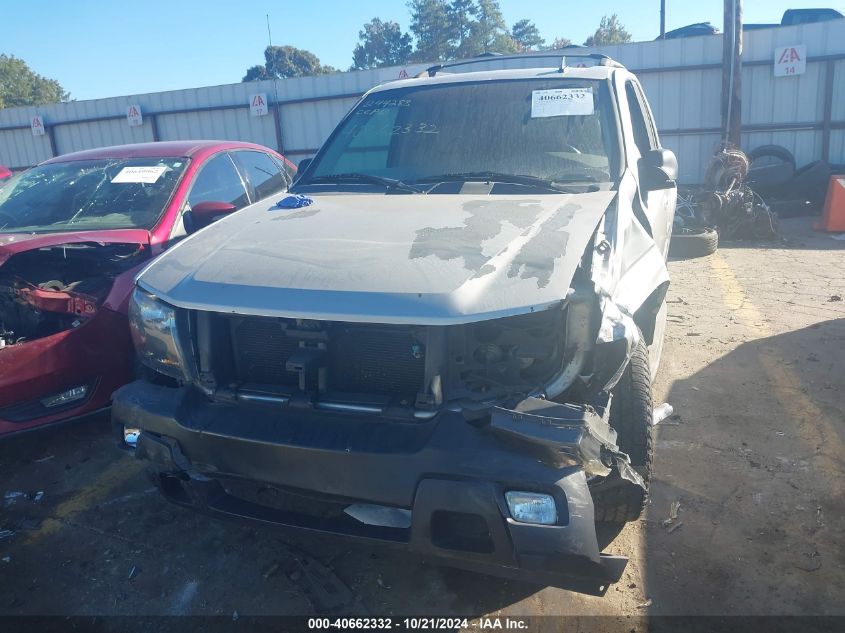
[(441, 466)]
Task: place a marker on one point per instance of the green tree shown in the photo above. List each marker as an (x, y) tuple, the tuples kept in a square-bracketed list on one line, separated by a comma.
[(558, 43), (287, 61), (20, 86), (460, 16), (381, 44), (526, 36), (610, 31), (489, 33), (431, 28)]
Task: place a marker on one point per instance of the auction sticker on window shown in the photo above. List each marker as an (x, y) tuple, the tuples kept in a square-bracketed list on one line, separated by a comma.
[(561, 102), (144, 175)]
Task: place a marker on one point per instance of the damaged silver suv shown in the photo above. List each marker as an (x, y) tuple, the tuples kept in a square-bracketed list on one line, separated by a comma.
[(443, 338)]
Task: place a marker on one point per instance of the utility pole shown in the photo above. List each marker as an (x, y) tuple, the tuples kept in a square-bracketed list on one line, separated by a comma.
[(662, 19), (732, 74)]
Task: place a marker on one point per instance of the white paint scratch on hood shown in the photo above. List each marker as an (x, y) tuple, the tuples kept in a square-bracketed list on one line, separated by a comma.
[(425, 259)]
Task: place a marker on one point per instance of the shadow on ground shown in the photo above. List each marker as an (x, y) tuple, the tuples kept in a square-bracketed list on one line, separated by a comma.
[(757, 469)]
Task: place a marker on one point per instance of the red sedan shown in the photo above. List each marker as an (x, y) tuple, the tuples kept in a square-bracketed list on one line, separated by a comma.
[(74, 232)]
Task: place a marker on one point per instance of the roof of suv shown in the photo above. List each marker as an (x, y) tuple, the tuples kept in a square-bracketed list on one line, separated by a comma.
[(444, 77)]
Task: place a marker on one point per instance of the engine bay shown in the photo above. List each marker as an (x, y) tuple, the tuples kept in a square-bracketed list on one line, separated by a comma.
[(56, 288)]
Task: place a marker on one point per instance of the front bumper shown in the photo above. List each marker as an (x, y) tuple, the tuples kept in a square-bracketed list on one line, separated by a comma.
[(449, 474), (97, 354)]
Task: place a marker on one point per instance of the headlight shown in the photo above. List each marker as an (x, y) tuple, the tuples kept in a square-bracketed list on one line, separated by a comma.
[(153, 326)]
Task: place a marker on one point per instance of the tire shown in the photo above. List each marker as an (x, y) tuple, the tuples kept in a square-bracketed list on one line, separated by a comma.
[(772, 151), (616, 500), (688, 243)]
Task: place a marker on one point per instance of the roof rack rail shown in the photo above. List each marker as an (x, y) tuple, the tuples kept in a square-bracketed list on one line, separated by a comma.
[(604, 60)]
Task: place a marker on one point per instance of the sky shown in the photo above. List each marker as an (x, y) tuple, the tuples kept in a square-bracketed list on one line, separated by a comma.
[(104, 48)]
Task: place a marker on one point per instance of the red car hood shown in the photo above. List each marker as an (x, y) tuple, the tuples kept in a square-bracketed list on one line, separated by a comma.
[(13, 243)]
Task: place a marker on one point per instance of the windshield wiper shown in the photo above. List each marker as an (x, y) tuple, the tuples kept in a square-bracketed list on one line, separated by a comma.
[(491, 176), (389, 183)]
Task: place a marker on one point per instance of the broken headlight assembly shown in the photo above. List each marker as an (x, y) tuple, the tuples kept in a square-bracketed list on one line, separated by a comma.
[(153, 324)]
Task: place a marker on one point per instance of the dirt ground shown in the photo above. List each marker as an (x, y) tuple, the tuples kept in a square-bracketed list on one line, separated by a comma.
[(753, 366)]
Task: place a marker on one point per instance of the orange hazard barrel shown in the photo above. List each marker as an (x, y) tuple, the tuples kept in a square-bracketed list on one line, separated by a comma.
[(833, 219)]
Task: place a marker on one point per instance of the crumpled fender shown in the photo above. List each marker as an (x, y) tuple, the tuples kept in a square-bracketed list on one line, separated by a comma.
[(627, 267)]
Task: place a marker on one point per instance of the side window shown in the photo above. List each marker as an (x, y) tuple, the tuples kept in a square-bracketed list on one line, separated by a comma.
[(263, 173), (649, 119), (219, 181), (639, 121)]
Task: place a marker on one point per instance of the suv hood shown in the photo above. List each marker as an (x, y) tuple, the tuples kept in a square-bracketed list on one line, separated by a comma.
[(422, 259)]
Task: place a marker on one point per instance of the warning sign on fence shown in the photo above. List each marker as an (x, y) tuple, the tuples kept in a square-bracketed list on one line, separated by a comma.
[(37, 125), (133, 115), (258, 105), (790, 60)]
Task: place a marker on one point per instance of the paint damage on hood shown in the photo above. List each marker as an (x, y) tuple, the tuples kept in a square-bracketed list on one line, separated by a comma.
[(435, 259)]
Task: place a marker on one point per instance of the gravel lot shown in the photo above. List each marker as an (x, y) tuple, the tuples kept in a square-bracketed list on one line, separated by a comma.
[(753, 366)]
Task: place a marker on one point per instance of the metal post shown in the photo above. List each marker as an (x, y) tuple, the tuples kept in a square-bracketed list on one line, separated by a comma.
[(662, 19), (829, 70), (51, 136), (732, 74), (277, 120), (154, 126)]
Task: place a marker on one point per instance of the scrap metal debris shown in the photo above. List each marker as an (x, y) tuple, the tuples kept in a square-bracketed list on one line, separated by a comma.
[(12, 496), (727, 202), (661, 413), (324, 590), (674, 508), (271, 571)]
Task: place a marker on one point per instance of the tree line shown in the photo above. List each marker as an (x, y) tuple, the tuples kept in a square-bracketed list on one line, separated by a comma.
[(440, 30), (20, 86)]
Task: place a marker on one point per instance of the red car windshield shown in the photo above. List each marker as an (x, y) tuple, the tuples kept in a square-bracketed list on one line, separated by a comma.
[(117, 193)]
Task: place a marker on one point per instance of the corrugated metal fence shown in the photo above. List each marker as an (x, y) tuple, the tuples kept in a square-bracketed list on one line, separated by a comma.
[(682, 78)]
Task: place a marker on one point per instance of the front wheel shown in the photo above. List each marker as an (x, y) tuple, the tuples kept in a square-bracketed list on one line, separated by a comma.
[(617, 500)]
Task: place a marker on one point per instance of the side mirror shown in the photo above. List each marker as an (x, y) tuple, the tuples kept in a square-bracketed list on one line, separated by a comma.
[(204, 213), (658, 169), (303, 165)]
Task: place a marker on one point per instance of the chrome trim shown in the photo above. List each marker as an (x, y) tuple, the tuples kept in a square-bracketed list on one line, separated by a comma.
[(344, 406), (262, 398)]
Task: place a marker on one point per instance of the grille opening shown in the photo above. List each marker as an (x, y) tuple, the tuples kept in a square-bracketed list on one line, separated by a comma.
[(461, 531), (376, 360)]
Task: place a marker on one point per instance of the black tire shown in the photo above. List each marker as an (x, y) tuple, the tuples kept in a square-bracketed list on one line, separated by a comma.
[(774, 151), (617, 500), (697, 242)]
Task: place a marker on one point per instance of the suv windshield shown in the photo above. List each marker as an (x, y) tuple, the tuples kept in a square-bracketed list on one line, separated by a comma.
[(90, 194), (555, 130)]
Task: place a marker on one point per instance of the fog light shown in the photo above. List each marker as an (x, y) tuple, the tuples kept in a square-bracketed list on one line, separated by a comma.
[(532, 507), (71, 395), (130, 436)]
